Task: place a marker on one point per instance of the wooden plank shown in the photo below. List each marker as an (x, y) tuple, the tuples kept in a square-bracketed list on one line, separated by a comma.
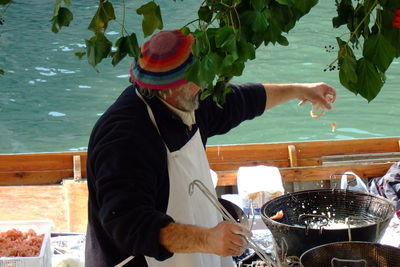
[(303, 174), (34, 203), (34, 177), (76, 204), (316, 173), (247, 152), (39, 161), (226, 166), (349, 157), (307, 149)]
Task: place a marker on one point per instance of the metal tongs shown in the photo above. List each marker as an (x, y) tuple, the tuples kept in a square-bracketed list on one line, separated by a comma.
[(228, 217)]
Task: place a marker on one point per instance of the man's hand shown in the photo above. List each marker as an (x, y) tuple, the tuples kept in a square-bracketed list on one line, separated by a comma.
[(319, 94), (227, 239)]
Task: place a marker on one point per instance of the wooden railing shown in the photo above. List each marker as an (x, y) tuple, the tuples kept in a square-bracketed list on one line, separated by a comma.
[(297, 161), (54, 185), (308, 161)]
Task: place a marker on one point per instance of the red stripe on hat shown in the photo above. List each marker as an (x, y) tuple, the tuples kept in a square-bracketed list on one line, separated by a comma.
[(179, 51)]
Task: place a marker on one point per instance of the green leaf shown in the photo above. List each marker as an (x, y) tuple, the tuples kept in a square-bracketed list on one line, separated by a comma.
[(282, 40), (201, 46), (273, 32), (379, 50), (246, 50), (304, 5), (228, 61), (260, 21), (4, 2), (67, 2), (193, 74), (2, 72), (345, 11), (80, 54), (258, 4), (285, 2), (237, 68), (97, 48), (225, 38), (370, 80), (126, 45), (206, 93), (210, 65), (205, 14), (185, 30), (63, 18), (347, 73), (151, 18), (104, 13)]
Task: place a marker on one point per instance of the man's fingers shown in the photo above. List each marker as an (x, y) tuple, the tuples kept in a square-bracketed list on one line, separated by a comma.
[(241, 230)]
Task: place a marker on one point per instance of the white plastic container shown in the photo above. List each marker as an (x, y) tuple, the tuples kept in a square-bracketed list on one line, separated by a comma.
[(40, 227)]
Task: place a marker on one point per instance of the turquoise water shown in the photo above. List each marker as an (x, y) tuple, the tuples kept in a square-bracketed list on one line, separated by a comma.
[(50, 100)]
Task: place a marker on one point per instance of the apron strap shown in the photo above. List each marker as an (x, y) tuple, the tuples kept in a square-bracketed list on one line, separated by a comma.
[(151, 114)]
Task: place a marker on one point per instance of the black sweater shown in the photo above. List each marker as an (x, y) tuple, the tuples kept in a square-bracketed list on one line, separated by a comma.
[(128, 175)]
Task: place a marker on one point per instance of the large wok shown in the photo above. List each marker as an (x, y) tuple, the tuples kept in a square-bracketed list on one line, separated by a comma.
[(306, 213)]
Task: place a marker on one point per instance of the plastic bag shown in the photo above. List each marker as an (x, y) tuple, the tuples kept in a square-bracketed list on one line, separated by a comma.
[(355, 184), (257, 185)]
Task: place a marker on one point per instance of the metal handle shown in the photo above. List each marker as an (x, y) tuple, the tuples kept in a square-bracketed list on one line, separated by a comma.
[(227, 216), (321, 225), (347, 261)]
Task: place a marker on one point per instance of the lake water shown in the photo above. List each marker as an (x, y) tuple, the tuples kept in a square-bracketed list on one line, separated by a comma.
[(50, 100)]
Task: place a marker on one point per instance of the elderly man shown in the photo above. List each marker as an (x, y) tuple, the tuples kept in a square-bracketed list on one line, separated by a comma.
[(150, 145)]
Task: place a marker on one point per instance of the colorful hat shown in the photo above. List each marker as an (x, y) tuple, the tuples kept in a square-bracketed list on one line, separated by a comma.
[(164, 60)]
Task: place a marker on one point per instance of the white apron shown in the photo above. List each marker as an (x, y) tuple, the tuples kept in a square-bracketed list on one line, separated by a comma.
[(184, 166)]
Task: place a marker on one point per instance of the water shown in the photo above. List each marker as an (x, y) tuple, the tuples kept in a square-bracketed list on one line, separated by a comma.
[(50, 100)]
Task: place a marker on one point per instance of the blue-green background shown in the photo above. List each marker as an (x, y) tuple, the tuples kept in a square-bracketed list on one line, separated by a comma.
[(49, 100)]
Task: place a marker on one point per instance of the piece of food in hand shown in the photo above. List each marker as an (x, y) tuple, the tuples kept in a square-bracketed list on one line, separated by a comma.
[(278, 215), (333, 124), (314, 112)]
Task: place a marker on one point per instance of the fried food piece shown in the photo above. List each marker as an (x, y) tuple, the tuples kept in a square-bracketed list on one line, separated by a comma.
[(278, 215)]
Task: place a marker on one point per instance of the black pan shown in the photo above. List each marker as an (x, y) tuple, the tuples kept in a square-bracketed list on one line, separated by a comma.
[(368, 215)]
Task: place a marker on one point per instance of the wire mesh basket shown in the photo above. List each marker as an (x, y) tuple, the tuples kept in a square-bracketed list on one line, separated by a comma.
[(311, 218), (351, 254)]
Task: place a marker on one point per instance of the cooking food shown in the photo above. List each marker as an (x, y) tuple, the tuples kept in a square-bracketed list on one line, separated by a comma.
[(278, 215), (14, 243)]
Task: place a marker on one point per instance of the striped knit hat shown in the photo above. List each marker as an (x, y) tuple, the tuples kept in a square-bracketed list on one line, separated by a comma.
[(165, 58)]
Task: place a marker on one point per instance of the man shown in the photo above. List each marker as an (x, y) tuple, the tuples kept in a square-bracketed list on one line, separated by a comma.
[(150, 145)]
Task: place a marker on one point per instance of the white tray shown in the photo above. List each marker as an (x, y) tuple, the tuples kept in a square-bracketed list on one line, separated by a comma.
[(40, 227)]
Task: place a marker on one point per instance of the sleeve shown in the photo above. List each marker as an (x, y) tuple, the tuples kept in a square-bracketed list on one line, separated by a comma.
[(245, 102), (132, 192)]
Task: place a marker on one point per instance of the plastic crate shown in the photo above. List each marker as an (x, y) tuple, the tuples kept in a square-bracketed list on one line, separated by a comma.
[(40, 227)]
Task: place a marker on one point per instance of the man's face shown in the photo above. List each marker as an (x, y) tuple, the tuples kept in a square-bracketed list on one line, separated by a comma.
[(184, 97)]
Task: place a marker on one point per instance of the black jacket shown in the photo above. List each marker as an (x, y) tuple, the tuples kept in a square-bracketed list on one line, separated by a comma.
[(128, 175)]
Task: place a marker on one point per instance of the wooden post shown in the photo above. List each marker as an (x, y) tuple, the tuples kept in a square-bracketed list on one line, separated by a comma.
[(76, 199), (77, 167), (293, 163)]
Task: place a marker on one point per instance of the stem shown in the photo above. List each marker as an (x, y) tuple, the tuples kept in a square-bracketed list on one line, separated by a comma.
[(193, 21), (362, 21), (5, 9), (123, 17)]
